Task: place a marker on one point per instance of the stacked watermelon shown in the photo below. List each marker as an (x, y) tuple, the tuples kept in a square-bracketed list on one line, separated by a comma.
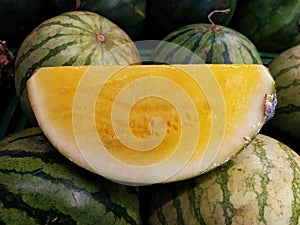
[(258, 186), (40, 186)]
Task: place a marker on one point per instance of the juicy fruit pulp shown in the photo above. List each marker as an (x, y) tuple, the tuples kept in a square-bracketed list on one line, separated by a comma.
[(153, 123)]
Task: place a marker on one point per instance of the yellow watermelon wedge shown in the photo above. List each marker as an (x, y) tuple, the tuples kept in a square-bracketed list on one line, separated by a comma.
[(145, 124)]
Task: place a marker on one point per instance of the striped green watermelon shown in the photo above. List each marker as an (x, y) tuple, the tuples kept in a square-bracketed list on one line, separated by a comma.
[(285, 69), (210, 43), (39, 186), (72, 38), (259, 186), (165, 16), (272, 25)]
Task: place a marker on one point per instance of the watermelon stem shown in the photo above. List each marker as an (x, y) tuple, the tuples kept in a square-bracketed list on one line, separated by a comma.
[(213, 25), (77, 4), (100, 37)]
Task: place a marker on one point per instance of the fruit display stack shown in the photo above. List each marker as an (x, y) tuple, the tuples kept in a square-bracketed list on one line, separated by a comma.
[(149, 112)]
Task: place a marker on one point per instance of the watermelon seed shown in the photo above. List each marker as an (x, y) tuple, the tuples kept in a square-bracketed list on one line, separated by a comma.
[(101, 37)]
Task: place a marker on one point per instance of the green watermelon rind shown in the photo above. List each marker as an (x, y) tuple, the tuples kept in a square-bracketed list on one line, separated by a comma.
[(38, 185), (221, 46), (258, 186)]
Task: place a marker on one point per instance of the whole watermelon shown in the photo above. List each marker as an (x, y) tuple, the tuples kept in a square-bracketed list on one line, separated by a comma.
[(285, 69), (210, 43), (127, 14), (18, 18), (165, 16), (71, 39), (259, 186), (40, 186), (272, 25)]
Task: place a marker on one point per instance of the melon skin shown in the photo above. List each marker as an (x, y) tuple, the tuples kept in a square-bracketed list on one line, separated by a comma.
[(39, 186), (285, 69), (212, 44), (165, 16), (272, 25), (70, 39), (259, 186)]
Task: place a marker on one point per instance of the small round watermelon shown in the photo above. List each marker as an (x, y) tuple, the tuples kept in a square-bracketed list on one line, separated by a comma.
[(40, 186), (259, 186), (285, 69), (206, 43), (165, 16), (71, 39)]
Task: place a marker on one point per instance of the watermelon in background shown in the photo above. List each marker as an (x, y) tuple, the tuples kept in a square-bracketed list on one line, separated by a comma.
[(40, 186), (127, 14), (259, 186), (285, 69), (18, 18), (272, 25), (212, 43), (165, 16), (71, 39)]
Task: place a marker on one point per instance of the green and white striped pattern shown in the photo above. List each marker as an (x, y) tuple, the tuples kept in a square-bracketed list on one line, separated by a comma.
[(39, 186), (204, 43), (261, 185), (272, 25), (285, 69), (71, 39)]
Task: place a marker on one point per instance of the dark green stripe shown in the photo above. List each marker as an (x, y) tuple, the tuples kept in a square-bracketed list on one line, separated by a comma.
[(52, 52), (161, 216), (210, 53), (45, 157), (194, 41), (11, 200), (195, 200), (101, 196), (81, 29), (251, 53), (71, 61), (178, 208), (295, 184), (296, 82), (38, 171), (89, 26), (267, 165), (288, 109), (222, 179), (20, 136), (282, 71), (35, 47), (225, 53)]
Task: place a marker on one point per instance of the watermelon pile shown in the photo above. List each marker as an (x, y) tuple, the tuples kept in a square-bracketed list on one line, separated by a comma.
[(261, 185)]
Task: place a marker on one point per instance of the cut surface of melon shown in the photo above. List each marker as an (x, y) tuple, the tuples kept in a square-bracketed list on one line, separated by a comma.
[(145, 124)]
